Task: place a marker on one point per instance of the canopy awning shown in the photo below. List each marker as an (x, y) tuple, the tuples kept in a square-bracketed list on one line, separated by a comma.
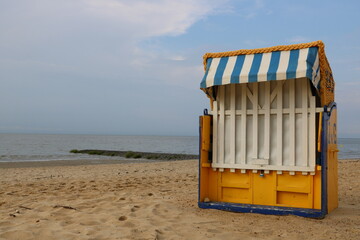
[(279, 65), (268, 64)]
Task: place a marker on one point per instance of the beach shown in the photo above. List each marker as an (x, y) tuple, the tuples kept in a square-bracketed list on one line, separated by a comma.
[(148, 200)]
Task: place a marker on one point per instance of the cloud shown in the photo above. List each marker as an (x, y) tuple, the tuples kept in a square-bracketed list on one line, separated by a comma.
[(94, 38), (153, 18), (133, 20), (61, 60)]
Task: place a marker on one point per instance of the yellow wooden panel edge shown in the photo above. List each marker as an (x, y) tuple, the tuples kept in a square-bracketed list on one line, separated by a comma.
[(293, 189), (207, 165)]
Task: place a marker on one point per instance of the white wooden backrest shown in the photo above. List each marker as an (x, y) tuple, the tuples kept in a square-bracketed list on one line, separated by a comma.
[(265, 126)]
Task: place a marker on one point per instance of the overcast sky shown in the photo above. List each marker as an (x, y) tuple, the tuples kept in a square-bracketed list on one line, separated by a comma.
[(134, 67)]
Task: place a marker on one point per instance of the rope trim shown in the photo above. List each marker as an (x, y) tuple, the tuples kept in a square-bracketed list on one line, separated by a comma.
[(327, 83)]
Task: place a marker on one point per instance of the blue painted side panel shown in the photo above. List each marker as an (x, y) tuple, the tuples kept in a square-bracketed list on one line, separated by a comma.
[(323, 155), (324, 150)]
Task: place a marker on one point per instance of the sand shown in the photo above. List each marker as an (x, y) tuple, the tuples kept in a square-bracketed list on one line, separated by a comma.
[(155, 200)]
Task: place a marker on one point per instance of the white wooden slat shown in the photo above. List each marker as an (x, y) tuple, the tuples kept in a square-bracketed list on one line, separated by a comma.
[(264, 167), (304, 118), (238, 145), (279, 125), (312, 131), (292, 121), (232, 123), (267, 121), (272, 111), (255, 121), (260, 161), (243, 124), (274, 93), (250, 95), (215, 132), (221, 158)]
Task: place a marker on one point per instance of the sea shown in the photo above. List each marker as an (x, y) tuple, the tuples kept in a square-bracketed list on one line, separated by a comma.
[(44, 147)]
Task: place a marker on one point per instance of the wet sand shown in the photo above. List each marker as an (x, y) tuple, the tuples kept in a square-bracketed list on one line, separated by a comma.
[(57, 163), (156, 200)]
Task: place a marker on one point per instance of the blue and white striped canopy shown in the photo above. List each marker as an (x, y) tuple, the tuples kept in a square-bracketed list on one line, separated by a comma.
[(279, 65)]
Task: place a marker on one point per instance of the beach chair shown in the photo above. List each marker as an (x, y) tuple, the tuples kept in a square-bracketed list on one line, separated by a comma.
[(268, 145)]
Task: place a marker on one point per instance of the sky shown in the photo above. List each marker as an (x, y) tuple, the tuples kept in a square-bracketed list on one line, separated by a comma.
[(134, 67)]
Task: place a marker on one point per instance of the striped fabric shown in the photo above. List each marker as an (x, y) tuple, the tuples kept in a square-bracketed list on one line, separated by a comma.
[(280, 65)]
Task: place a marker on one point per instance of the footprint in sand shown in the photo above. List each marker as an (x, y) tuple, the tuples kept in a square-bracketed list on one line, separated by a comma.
[(213, 231), (129, 224), (90, 223), (156, 210), (135, 208)]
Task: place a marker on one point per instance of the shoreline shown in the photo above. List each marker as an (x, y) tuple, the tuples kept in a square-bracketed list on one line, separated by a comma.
[(83, 162), (136, 154)]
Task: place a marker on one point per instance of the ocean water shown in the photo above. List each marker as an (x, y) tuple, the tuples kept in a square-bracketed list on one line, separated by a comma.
[(41, 147), (349, 148)]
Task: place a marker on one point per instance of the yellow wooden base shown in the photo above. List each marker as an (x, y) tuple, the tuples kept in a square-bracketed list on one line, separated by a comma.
[(273, 189), (285, 190)]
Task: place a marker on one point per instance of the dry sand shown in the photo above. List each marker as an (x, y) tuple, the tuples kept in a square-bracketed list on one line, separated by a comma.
[(149, 201)]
